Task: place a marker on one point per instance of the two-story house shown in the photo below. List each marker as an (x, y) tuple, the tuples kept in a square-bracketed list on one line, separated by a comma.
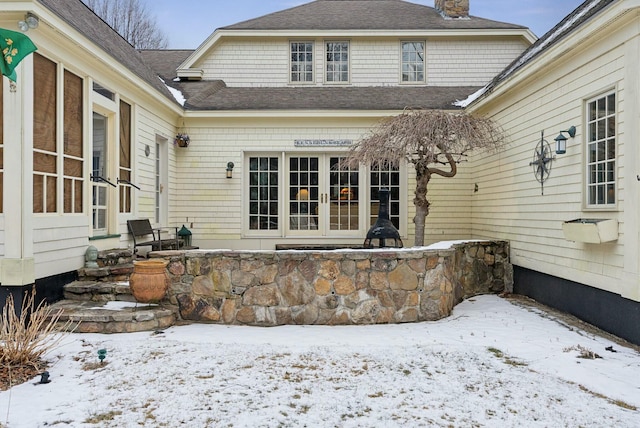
[(282, 96), (270, 106)]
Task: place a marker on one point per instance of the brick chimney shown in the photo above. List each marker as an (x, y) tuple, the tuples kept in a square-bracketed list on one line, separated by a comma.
[(453, 8)]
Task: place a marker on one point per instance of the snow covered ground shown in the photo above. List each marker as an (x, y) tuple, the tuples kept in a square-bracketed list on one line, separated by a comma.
[(491, 364)]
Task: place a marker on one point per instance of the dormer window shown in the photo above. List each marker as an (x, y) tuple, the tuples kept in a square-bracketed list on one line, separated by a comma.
[(337, 62), (301, 62)]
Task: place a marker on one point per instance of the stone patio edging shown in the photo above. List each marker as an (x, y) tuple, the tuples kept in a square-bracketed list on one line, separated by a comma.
[(340, 287)]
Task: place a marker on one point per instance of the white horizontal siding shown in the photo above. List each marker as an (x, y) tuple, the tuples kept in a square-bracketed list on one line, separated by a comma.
[(373, 61), (263, 62), (2, 236), (472, 62), (211, 203), (450, 210), (510, 204), (59, 243)]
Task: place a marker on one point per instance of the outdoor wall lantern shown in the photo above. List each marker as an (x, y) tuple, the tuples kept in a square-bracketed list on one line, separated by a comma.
[(30, 22), (561, 140), (185, 234), (230, 166)]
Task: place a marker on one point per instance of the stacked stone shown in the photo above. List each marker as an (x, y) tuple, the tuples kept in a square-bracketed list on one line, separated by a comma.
[(453, 8), (269, 288), (113, 266), (484, 267)]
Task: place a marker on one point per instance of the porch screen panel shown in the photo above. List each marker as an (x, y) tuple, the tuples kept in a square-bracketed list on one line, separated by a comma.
[(263, 193), (73, 148), (44, 135), (1, 146), (125, 157)]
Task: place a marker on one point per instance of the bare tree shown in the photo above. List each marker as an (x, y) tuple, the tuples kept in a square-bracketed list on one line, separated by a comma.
[(132, 20), (434, 141)]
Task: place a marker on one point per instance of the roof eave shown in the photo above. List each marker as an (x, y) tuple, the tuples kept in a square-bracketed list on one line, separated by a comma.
[(288, 113)]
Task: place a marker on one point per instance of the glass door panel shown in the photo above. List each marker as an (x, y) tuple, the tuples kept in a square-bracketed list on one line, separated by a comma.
[(99, 172), (264, 193), (304, 193), (322, 197), (344, 193)]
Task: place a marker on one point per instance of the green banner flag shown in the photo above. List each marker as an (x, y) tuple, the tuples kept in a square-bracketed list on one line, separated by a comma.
[(14, 46)]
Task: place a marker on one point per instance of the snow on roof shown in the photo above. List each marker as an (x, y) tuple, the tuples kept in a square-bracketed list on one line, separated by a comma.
[(179, 96)]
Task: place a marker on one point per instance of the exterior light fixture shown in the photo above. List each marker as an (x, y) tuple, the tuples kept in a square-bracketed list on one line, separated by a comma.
[(561, 140), (185, 234), (102, 354), (30, 22), (230, 166)]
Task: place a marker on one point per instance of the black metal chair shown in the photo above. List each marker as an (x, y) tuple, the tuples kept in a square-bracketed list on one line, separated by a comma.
[(144, 236)]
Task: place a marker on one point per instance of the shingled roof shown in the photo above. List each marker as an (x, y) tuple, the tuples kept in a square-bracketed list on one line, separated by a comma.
[(364, 15), (165, 62), (215, 95), (80, 17), (316, 15)]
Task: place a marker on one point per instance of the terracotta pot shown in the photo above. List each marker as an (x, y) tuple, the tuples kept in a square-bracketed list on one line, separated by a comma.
[(149, 280)]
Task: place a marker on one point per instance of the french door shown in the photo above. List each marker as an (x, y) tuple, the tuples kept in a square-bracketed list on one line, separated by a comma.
[(323, 196)]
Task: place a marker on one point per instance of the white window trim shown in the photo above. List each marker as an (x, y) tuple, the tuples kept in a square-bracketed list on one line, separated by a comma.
[(586, 205), (283, 169), (401, 62), (324, 62), (247, 232), (313, 63)]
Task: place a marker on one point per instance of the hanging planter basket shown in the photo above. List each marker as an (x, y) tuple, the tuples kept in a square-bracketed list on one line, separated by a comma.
[(182, 140)]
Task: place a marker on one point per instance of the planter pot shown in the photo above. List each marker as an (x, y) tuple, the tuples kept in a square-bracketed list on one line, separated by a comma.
[(591, 231), (182, 143), (149, 281)]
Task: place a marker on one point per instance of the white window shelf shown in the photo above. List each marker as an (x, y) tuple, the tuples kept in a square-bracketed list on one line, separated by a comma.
[(590, 230)]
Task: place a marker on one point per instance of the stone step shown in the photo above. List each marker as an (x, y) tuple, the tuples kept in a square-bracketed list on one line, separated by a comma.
[(115, 273), (112, 317), (98, 291)]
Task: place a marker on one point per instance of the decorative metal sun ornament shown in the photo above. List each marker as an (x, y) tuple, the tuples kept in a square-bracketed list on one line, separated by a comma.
[(542, 159)]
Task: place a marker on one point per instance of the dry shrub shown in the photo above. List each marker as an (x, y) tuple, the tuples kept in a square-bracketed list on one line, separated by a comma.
[(26, 338)]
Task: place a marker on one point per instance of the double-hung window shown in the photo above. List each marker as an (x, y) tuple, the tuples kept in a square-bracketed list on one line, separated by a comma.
[(412, 62), (601, 151), (301, 62), (337, 62)]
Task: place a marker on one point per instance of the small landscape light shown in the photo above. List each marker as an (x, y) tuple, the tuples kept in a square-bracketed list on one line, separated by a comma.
[(102, 354)]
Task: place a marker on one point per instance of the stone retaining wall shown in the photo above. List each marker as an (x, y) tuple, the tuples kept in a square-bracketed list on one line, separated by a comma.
[(269, 288)]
